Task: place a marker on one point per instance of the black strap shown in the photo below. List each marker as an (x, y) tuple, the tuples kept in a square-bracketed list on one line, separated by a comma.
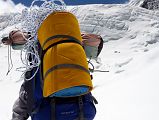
[(78, 99), (94, 100), (29, 87), (40, 51), (69, 40), (80, 102), (60, 66), (60, 42), (53, 107), (55, 100), (61, 36)]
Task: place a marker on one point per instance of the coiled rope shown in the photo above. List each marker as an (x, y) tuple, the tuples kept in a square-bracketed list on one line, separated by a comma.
[(31, 20)]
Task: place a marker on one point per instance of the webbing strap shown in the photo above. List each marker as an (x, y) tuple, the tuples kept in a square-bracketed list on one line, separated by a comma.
[(60, 36), (60, 66), (53, 107), (94, 100), (80, 102), (60, 42), (70, 40)]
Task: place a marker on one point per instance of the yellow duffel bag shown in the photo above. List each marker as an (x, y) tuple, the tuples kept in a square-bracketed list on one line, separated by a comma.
[(64, 64)]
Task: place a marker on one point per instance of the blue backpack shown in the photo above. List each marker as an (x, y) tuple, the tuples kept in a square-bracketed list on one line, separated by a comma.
[(57, 108)]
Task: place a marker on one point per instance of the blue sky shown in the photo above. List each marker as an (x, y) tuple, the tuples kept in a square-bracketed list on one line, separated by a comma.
[(77, 2)]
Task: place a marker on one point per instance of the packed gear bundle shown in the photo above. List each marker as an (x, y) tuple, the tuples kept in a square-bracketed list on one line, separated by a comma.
[(64, 62), (16, 39), (63, 71), (92, 45)]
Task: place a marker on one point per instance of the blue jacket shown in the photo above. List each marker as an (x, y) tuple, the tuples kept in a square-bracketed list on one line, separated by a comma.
[(31, 103)]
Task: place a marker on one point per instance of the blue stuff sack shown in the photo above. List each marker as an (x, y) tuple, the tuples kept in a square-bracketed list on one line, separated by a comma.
[(71, 108), (66, 108)]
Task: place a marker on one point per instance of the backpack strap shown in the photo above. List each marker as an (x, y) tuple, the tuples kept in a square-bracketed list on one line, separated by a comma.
[(80, 102), (78, 99), (94, 100), (70, 39), (66, 66), (53, 112), (29, 88)]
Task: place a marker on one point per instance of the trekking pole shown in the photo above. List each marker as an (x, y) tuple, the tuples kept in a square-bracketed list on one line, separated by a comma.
[(94, 70), (101, 71)]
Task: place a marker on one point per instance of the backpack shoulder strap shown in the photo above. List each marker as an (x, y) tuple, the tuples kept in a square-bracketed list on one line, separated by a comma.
[(75, 99), (81, 112), (53, 103), (78, 100), (69, 39), (29, 86)]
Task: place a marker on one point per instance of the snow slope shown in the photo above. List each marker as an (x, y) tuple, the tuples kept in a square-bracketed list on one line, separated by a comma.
[(129, 91)]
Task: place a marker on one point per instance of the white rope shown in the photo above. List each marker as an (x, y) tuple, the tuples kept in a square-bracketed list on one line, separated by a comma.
[(34, 16), (31, 20)]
